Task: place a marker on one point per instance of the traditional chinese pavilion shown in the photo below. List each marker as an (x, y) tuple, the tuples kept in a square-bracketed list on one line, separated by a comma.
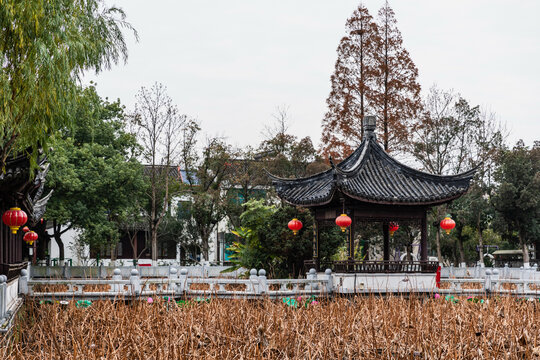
[(370, 185)]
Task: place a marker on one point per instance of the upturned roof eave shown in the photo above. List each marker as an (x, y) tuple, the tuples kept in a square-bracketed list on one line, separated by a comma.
[(373, 145), (375, 201)]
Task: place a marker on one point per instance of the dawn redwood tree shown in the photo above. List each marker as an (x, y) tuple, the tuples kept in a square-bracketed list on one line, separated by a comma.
[(45, 46), (158, 125), (397, 91), (373, 75), (353, 85)]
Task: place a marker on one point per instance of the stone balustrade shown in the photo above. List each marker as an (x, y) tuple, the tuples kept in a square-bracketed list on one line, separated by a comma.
[(177, 284)]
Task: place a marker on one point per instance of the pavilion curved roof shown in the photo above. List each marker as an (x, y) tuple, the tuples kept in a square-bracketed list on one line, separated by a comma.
[(370, 175)]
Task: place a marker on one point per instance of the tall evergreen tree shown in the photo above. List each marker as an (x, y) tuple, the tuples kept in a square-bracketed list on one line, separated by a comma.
[(353, 84), (397, 95), (373, 75)]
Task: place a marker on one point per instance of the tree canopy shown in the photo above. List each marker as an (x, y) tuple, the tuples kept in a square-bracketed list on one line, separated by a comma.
[(45, 46), (517, 196), (94, 172), (373, 75)]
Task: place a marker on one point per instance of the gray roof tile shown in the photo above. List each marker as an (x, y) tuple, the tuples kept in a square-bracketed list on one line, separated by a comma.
[(369, 174)]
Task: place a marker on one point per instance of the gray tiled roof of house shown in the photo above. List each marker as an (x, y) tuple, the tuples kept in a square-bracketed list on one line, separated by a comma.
[(369, 174)]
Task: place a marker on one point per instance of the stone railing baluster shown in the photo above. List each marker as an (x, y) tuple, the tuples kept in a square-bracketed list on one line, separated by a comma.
[(263, 285), (135, 282), (3, 296)]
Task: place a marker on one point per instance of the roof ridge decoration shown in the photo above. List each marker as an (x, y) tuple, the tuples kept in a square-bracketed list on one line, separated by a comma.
[(370, 175)]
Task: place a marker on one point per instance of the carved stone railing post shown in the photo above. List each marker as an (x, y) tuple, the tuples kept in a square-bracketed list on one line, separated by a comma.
[(487, 281), (117, 275), (23, 282), (3, 296), (253, 281), (66, 271), (173, 276), (477, 271), (182, 284), (135, 281), (263, 285), (494, 283), (329, 281), (312, 275)]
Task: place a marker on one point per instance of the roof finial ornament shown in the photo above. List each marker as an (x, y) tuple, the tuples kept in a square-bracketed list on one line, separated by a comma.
[(369, 124)]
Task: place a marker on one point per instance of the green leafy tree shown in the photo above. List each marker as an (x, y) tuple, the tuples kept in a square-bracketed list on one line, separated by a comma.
[(209, 199), (450, 137), (473, 213), (45, 46), (266, 241), (517, 195), (93, 172)]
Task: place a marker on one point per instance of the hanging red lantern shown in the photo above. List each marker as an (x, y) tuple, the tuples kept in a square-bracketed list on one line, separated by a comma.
[(14, 218), (448, 224), (26, 229), (343, 221), (30, 237), (393, 227), (295, 225)]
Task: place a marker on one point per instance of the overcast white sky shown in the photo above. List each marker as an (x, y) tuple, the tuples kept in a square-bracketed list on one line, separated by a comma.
[(231, 63)]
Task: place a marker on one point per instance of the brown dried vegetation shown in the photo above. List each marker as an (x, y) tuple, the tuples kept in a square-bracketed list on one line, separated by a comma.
[(360, 328)]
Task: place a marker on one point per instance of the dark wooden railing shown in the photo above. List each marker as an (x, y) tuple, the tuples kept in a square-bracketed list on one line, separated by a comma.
[(12, 270), (358, 266)]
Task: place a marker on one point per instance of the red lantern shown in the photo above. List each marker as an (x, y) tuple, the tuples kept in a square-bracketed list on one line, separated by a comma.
[(448, 224), (393, 227), (14, 218), (343, 221), (295, 225), (30, 237), (26, 229)]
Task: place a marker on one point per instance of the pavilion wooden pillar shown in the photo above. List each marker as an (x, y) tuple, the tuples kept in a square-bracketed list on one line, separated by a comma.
[(386, 241), (423, 238), (316, 244), (350, 237)]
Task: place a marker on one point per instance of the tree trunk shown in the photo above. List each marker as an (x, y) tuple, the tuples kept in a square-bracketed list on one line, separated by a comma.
[(386, 71), (58, 238), (525, 249), (205, 246), (480, 243), (461, 251), (154, 244), (113, 251)]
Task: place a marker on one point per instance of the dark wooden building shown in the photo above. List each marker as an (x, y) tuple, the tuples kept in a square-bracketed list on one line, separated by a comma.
[(370, 185), (20, 188)]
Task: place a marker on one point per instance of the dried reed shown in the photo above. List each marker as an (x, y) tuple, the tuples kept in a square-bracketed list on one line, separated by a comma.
[(341, 328)]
